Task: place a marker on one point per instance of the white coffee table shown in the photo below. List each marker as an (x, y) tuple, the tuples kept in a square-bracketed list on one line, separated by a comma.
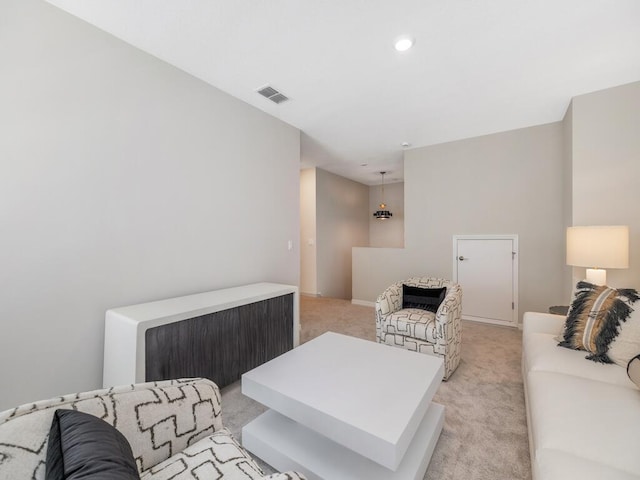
[(346, 408)]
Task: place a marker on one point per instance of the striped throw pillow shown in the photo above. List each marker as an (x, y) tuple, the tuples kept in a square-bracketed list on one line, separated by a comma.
[(594, 317)]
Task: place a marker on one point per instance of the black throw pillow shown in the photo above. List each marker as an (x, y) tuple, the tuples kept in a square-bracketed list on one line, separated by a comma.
[(82, 446), (425, 298)]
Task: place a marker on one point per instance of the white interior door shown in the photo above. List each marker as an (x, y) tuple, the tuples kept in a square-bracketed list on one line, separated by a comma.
[(486, 268)]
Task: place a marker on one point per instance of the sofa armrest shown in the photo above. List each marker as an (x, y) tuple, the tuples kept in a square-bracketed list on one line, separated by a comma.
[(537, 322)]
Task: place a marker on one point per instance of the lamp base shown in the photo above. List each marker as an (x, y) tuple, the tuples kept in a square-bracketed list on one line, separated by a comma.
[(597, 276)]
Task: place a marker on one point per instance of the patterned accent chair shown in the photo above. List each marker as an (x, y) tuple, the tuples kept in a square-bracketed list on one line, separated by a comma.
[(174, 428), (437, 333)]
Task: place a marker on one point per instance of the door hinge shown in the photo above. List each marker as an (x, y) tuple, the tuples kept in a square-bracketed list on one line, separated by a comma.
[(513, 305), (513, 255)]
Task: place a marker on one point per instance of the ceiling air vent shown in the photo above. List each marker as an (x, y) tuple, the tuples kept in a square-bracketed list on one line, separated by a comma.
[(272, 94)]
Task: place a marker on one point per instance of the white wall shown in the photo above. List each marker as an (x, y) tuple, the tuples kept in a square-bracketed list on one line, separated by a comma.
[(567, 195), (374, 269), (123, 180), (606, 168), (308, 257), (506, 183), (342, 214), (388, 232)]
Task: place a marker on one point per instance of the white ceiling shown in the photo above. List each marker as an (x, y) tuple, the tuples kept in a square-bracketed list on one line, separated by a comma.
[(478, 66)]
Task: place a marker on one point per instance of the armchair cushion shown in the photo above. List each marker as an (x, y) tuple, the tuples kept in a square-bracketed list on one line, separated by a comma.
[(411, 322), (425, 298)]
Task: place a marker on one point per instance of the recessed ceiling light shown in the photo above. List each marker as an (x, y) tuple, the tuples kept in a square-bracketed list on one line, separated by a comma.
[(404, 43)]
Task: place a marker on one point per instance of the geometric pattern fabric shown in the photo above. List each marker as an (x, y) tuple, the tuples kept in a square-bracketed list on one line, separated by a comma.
[(159, 419), (420, 330), (411, 322), (214, 457)]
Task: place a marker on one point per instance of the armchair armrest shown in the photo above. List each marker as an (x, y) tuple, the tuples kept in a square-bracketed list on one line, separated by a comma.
[(389, 301), (175, 413), (449, 314), (285, 476)]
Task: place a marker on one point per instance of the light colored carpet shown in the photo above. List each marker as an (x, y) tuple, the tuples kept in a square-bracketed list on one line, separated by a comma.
[(485, 432)]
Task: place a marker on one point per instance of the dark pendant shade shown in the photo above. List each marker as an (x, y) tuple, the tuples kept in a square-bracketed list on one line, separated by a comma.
[(382, 213)]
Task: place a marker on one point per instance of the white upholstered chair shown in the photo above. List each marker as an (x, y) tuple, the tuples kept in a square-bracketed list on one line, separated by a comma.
[(423, 331), (174, 428)]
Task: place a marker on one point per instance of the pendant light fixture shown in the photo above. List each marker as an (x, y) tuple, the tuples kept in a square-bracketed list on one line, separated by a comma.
[(382, 213)]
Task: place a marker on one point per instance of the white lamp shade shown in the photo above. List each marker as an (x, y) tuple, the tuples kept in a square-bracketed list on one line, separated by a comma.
[(602, 246)]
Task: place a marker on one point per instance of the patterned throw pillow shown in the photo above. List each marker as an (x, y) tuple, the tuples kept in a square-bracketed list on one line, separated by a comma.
[(594, 319)]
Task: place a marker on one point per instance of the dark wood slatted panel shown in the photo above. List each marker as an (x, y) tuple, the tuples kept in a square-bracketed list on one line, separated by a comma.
[(266, 331), (221, 346)]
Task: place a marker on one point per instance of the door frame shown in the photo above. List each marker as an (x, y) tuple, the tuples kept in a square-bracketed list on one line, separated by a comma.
[(515, 255)]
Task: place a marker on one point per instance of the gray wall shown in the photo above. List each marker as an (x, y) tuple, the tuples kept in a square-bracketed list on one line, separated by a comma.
[(582, 171), (308, 257), (342, 215), (334, 217), (123, 180), (606, 168), (567, 197), (506, 183)]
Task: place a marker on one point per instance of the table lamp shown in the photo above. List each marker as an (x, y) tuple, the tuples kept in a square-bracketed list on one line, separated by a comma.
[(598, 247)]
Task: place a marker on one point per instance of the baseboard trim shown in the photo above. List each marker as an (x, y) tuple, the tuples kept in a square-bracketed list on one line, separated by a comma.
[(490, 321), (363, 303)]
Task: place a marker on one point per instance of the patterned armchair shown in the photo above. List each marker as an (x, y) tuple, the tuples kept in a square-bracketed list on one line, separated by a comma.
[(174, 428), (422, 331)]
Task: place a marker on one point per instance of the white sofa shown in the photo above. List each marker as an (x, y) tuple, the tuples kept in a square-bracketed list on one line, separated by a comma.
[(174, 428), (583, 416)]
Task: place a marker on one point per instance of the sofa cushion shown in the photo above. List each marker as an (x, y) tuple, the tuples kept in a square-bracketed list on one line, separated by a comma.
[(542, 353), (554, 464), (591, 420), (594, 317), (82, 446), (535, 322), (633, 370), (411, 322), (626, 343), (424, 298), (211, 458)]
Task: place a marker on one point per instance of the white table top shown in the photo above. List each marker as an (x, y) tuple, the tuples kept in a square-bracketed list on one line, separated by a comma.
[(366, 396), (190, 306)]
